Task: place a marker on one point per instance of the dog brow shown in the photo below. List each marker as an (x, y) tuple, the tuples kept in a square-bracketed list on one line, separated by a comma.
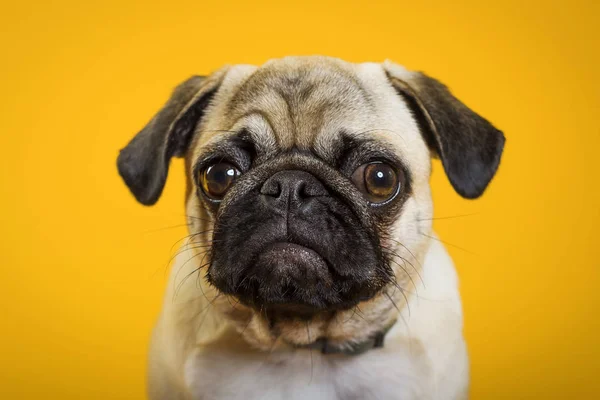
[(343, 147), (258, 130)]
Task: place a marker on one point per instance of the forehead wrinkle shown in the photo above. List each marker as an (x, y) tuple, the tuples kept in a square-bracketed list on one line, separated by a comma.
[(252, 121), (318, 108), (305, 94), (261, 132), (273, 109)]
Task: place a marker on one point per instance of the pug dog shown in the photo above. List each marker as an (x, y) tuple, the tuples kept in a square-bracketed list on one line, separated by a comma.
[(311, 270)]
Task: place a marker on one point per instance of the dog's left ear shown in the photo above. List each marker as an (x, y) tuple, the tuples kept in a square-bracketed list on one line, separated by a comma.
[(144, 162), (468, 145)]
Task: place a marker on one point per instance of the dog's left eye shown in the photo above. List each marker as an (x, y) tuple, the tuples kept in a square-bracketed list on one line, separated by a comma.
[(216, 179), (378, 181)]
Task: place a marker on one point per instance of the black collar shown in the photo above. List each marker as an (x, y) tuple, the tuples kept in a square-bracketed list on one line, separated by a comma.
[(373, 342)]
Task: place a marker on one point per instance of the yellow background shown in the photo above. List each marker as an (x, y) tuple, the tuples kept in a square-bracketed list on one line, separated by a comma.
[(83, 265)]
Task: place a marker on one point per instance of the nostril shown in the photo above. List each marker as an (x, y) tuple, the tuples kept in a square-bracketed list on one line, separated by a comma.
[(313, 189), (302, 191), (271, 188), (291, 186)]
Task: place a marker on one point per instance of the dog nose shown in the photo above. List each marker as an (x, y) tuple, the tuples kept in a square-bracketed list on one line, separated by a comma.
[(286, 188)]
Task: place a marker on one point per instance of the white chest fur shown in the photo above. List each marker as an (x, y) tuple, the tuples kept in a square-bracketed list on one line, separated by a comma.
[(424, 357)]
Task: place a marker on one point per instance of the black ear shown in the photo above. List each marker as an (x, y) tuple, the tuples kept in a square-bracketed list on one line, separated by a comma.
[(144, 162), (468, 145)]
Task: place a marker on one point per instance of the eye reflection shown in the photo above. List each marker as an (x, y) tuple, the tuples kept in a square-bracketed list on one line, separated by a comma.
[(216, 179)]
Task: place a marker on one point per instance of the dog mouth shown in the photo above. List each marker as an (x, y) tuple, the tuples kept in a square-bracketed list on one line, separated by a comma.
[(288, 279), (297, 279), (292, 253)]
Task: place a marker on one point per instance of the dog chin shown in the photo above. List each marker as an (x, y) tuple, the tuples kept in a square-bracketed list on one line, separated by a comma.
[(284, 325)]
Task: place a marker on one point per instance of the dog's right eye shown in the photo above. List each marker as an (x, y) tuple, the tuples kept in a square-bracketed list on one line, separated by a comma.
[(216, 179)]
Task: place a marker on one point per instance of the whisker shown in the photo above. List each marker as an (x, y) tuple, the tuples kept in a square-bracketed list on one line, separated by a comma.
[(393, 302), (396, 285), (180, 251), (406, 272), (360, 314), (449, 244), (188, 275), (352, 316), (164, 229), (449, 217), (260, 312), (183, 251), (183, 281), (311, 354), (197, 218), (231, 304), (390, 251), (399, 312), (206, 309), (188, 248), (411, 253), (190, 236), (198, 283), (247, 325)]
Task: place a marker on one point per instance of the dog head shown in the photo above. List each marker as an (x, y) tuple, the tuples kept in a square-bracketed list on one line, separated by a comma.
[(308, 184)]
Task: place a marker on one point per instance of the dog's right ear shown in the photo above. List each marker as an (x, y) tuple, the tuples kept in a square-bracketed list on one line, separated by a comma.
[(144, 162)]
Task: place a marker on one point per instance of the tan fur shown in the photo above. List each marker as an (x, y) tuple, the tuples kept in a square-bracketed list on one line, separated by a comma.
[(305, 103)]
